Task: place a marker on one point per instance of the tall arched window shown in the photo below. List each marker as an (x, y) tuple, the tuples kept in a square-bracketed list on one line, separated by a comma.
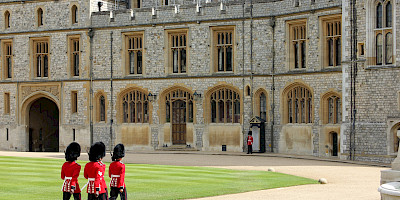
[(383, 32), (74, 14), (7, 19), (102, 109), (260, 102), (225, 106), (298, 105), (40, 17), (135, 107), (334, 110)]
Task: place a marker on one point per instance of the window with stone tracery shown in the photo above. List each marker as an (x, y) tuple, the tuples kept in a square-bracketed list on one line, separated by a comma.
[(383, 31), (7, 52), (135, 107), (223, 49), (332, 32), (225, 106), (334, 110), (187, 105), (298, 44), (299, 105), (134, 53), (41, 57), (177, 51)]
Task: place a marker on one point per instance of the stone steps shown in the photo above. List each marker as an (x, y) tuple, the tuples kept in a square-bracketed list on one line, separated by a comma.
[(177, 148)]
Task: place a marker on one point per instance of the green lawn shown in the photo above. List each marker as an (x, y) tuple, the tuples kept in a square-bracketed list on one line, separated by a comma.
[(34, 178)]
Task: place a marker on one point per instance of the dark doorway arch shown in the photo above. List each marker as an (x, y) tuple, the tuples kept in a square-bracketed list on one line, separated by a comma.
[(334, 143), (44, 126)]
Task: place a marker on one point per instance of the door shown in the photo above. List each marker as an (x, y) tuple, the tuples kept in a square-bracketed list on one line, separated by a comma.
[(179, 122), (335, 147)]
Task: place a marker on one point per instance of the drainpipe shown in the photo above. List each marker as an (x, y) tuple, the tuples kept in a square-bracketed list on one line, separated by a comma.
[(353, 76), (111, 91), (251, 59), (272, 24), (91, 34), (243, 88)]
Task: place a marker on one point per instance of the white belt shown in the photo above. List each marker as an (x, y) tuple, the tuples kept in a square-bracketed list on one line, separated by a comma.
[(115, 176), (89, 179), (65, 180)]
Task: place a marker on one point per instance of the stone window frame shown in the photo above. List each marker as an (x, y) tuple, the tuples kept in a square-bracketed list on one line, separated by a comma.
[(135, 4), (308, 112), (166, 2), (74, 14), (328, 24), (257, 104), (74, 50), (372, 33), (125, 52), (169, 43), (33, 52), (7, 53), (40, 16), (7, 103), (121, 112), (336, 110), (215, 30), (299, 26), (98, 108), (212, 95), (7, 19), (74, 102)]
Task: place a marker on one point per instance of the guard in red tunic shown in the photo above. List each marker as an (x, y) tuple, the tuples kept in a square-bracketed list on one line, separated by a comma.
[(250, 143), (94, 172), (70, 172), (117, 174)]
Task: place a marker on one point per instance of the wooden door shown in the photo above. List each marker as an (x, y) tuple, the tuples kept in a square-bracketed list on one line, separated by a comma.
[(179, 122)]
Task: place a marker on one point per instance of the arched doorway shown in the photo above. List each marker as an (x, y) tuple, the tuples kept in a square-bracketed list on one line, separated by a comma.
[(334, 143), (179, 112), (43, 126)]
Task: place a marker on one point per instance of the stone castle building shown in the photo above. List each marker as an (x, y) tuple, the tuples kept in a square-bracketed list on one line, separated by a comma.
[(188, 74)]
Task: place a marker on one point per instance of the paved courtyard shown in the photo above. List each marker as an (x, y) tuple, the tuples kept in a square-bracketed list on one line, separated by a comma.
[(346, 180)]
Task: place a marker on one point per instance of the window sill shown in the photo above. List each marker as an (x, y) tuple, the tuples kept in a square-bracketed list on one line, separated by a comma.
[(224, 73), (370, 67), (134, 75)]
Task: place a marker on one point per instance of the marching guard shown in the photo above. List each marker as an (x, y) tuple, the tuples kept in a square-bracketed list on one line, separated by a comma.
[(94, 172), (117, 174), (70, 172)]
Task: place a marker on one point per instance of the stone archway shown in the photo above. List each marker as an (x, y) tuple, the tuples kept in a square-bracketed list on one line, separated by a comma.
[(43, 121)]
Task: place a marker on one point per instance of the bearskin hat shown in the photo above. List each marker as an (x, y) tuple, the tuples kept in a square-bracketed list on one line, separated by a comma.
[(119, 152), (97, 151), (72, 152)]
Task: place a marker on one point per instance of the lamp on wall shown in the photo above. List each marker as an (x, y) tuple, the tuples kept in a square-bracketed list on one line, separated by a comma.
[(152, 97), (197, 96)]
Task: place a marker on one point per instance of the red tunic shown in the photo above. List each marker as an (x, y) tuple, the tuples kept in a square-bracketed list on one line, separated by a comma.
[(117, 174), (94, 172), (249, 140), (70, 173)]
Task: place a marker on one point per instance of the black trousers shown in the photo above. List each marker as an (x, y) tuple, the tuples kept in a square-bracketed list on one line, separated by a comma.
[(115, 191), (67, 196), (250, 149), (102, 196)]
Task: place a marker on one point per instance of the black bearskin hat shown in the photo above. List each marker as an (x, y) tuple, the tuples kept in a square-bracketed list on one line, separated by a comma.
[(119, 152), (72, 152), (97, 151)]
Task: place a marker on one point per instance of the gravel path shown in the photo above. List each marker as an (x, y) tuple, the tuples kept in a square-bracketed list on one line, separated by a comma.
[(345, 181)]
